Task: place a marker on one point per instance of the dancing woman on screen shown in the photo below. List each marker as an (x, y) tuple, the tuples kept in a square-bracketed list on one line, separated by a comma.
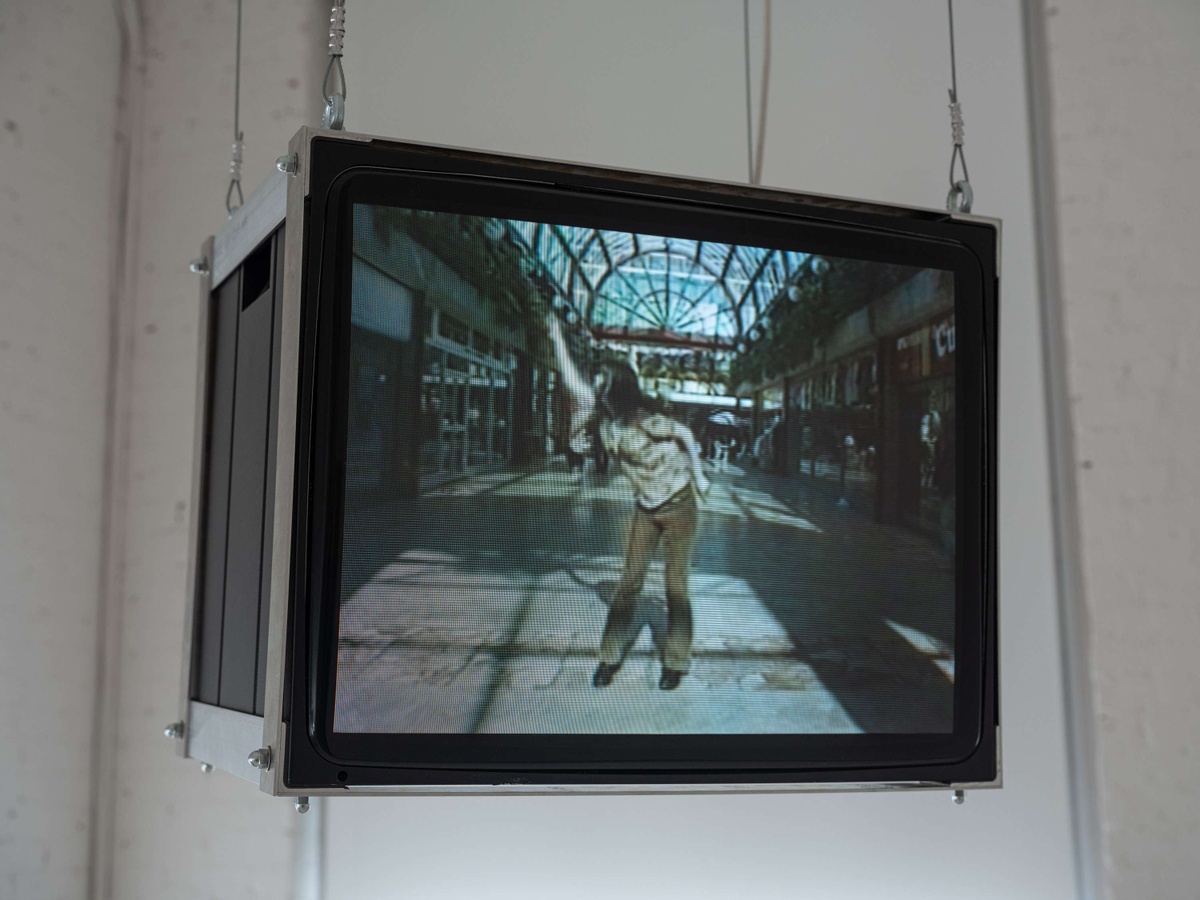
[(662, 460)]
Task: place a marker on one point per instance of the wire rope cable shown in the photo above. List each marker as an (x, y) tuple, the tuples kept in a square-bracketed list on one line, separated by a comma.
[(764, 88), (961, 195), (749, 98), (238, 152), (755, 151), (335, 101)]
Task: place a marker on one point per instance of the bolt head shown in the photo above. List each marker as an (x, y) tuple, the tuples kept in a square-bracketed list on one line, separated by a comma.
[(174, 731), (261, 758), (287, 164), (206, 768), (959, 798), (198, 266), (302, 805)]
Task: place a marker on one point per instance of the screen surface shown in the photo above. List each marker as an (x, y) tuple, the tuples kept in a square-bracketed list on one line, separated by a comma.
[(605, 482)]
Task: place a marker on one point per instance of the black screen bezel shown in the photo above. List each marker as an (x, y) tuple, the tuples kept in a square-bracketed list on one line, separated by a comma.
[(349, 174)]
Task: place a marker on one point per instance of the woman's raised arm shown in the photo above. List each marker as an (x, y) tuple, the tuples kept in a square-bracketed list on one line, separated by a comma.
[(583, 398)]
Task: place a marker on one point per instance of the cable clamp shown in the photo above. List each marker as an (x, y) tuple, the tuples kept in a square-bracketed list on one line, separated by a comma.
[(235, 160), (956, 121), (337, 30)]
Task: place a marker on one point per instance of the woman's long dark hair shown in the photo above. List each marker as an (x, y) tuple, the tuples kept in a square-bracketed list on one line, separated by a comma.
[(621, 397)]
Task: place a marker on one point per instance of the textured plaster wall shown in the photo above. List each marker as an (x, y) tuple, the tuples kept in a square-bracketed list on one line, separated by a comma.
[(179, 833), (59, 64), (1125, 82), (1126, 92)]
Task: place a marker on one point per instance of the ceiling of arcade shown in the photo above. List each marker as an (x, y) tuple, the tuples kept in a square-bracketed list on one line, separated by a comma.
[(649, 284), (751, 309)]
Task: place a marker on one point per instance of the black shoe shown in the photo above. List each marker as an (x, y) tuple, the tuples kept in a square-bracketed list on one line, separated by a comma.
[(604, 674), (670, 679)]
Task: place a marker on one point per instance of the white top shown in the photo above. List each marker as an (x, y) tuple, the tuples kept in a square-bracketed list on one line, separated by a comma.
[(652, 455)]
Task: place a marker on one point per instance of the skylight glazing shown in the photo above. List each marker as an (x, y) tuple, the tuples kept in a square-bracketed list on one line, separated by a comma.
[(650, 283)]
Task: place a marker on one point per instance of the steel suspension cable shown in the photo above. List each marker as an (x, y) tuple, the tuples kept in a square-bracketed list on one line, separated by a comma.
[(961, 195), (235, 161)]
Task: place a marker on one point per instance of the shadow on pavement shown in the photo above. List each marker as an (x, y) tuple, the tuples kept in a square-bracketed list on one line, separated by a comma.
[(834, 588)]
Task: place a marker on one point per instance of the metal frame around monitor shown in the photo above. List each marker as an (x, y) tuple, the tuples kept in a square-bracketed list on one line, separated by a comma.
[(216, 737), (224, 739)]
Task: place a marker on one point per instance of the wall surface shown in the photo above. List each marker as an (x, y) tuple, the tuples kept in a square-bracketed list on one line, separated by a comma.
[(858, 107), (1125, 84), (178, 833), (60, 64)]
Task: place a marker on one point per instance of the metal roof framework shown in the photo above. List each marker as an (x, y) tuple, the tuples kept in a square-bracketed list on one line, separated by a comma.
[(641, 282)]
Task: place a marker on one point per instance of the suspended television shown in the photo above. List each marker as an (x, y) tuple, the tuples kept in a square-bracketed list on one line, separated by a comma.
[(515, 475)]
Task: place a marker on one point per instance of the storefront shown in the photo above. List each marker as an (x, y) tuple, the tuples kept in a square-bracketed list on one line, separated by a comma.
[(466, 402), (833, 427), (381, 451), (371, 421), (923, 378), (770, 429), (875, 426)]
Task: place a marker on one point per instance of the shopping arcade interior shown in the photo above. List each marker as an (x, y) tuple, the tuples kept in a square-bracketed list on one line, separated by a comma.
[(835, 370), (482, 552)]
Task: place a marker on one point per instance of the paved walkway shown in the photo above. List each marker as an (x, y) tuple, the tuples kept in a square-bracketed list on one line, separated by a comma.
[(479, 609)]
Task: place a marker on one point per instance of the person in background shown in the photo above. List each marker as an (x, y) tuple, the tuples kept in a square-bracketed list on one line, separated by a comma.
[(662, 460)]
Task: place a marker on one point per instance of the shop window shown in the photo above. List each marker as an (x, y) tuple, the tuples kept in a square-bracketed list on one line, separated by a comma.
[(454, 329)]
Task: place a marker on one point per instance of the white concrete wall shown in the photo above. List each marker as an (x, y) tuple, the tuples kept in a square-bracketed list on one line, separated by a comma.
[(179, 833), (59, 64), (1125, 81), (858, 106)]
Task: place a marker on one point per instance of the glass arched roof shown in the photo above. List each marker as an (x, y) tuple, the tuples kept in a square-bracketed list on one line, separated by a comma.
[(642, 282)]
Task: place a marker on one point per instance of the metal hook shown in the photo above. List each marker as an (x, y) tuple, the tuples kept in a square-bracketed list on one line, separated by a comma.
[(335, 112), (960, 198)]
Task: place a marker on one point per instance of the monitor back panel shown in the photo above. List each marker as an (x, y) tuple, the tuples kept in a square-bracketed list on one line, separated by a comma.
[(230, 651)]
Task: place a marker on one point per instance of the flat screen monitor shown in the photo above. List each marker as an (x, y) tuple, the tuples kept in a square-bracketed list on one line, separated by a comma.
[(603, 478)]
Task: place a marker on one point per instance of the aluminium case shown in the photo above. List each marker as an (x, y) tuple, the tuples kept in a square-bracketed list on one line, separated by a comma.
[(279, 210)]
